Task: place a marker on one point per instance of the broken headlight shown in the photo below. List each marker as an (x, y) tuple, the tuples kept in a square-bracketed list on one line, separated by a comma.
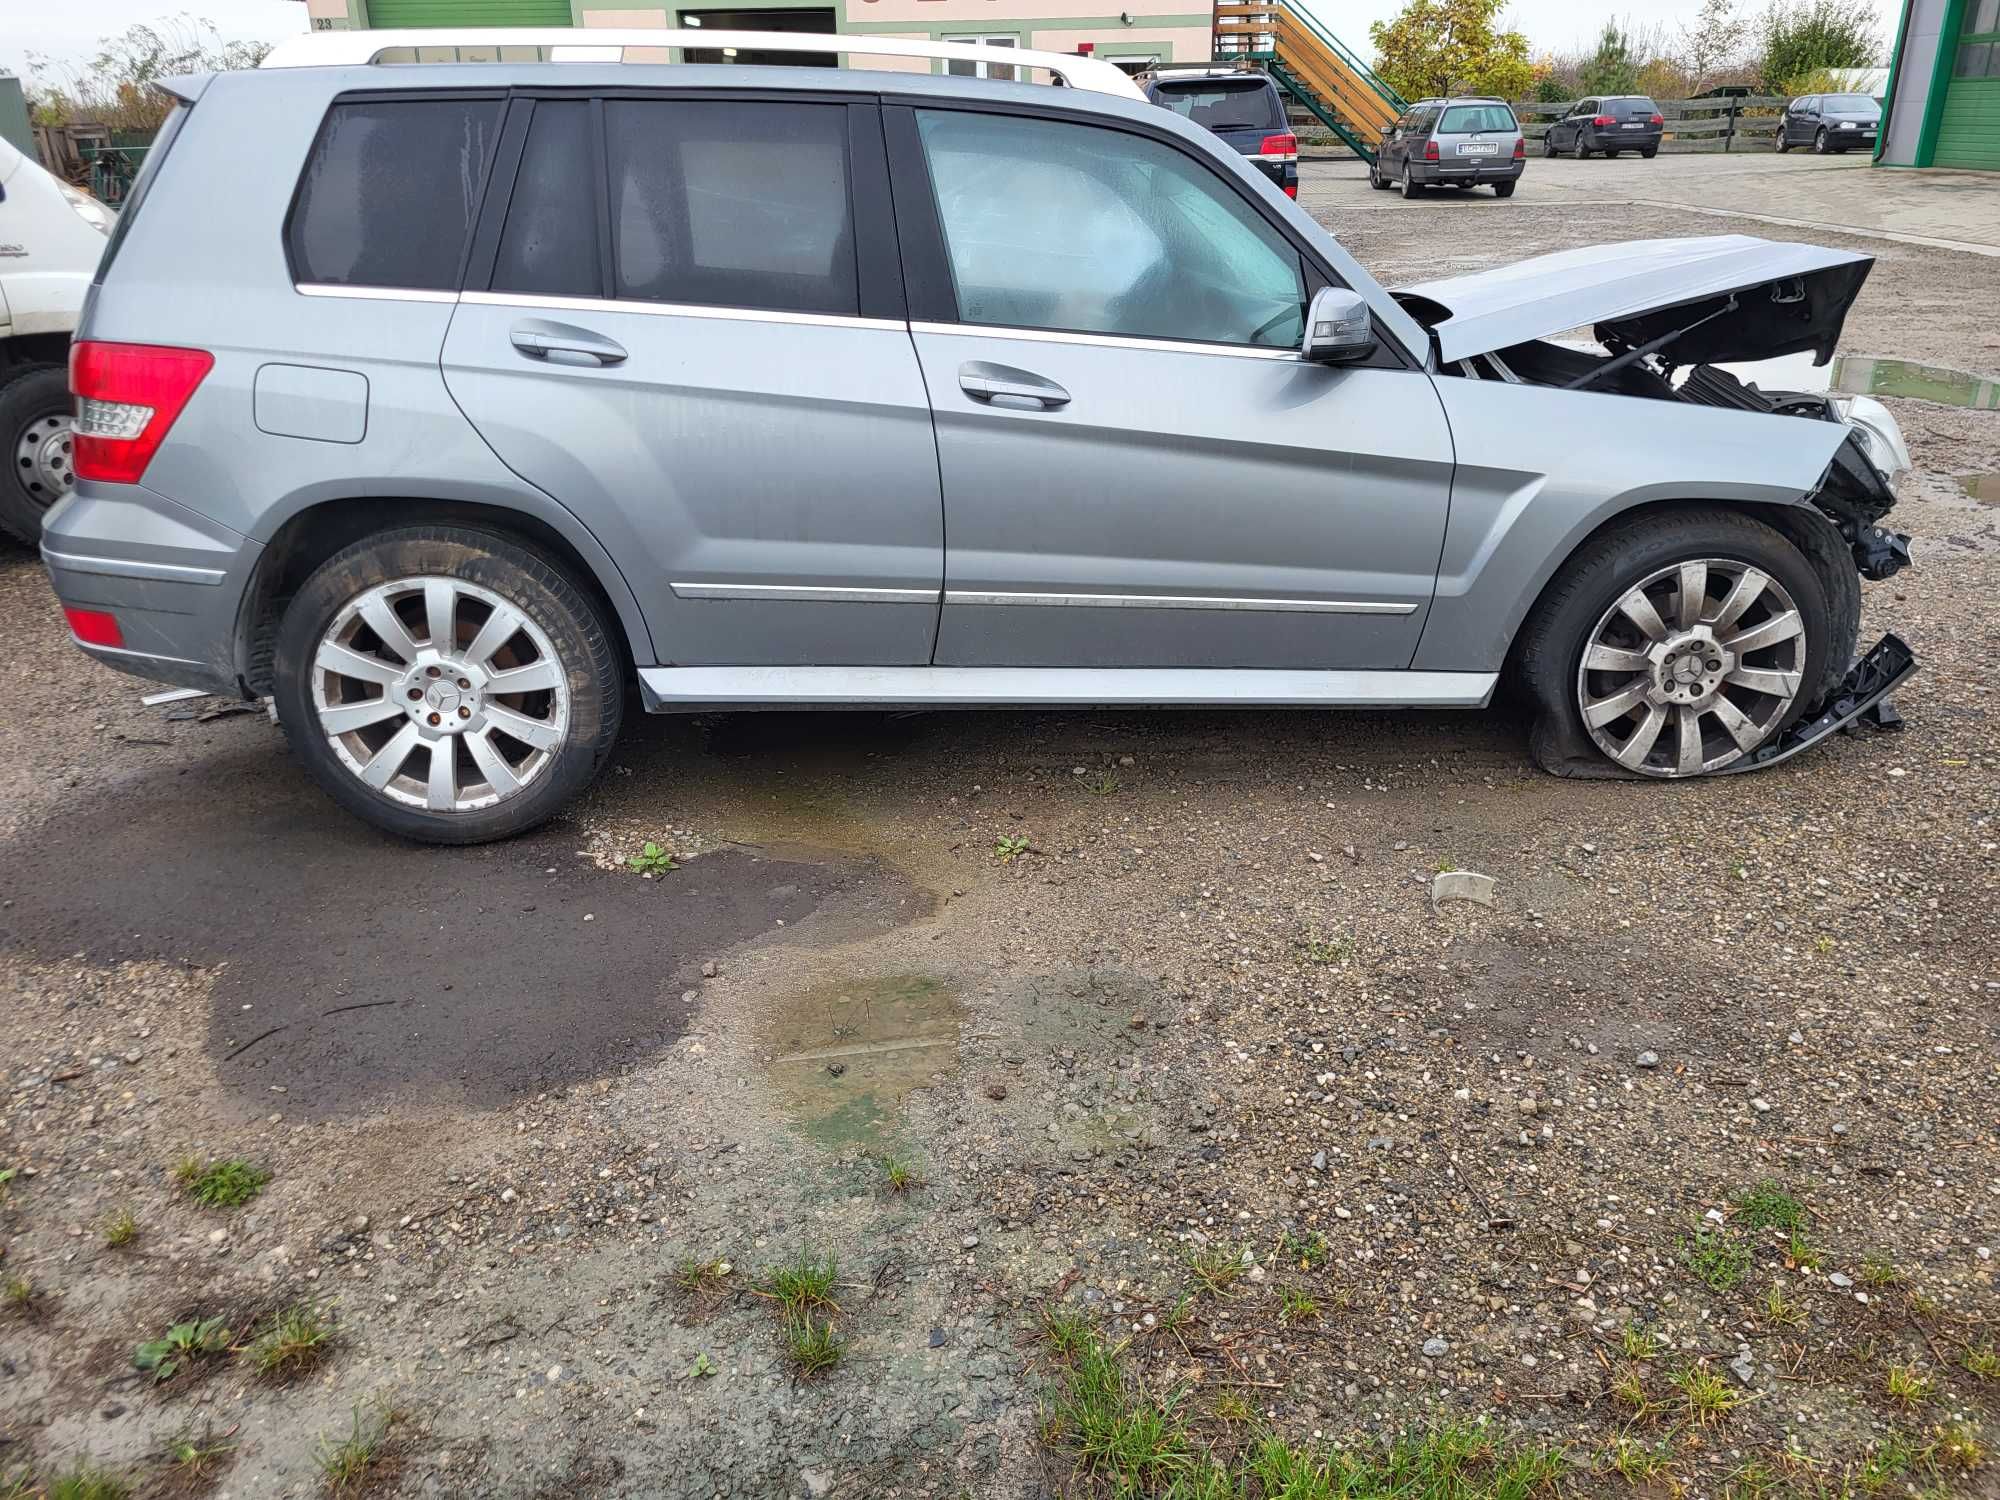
[(1881, 438)]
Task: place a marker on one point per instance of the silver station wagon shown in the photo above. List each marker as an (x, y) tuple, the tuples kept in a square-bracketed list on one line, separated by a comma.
[(450, 405)]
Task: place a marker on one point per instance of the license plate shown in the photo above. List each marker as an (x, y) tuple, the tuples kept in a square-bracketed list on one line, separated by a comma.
[(1635, 125), (1849, 125), (1477, 148)]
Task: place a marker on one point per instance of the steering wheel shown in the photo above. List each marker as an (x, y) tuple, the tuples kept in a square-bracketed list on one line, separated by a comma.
[(1272, 322)]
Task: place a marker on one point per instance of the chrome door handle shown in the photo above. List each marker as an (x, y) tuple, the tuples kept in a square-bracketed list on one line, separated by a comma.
[(539, 340), (1003, 385)]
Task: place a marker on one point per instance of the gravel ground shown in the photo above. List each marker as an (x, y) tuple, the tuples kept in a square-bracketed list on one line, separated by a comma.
[(1201, 1031)]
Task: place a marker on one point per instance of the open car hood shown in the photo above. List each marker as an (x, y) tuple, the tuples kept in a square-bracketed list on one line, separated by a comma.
[(1788, 298)]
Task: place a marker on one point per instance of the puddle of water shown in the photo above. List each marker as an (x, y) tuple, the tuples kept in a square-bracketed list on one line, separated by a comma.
[(846, 1053), (1863, 375), (1984, 488)]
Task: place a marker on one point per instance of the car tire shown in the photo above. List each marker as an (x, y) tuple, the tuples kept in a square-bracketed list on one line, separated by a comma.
[(1503, 189), (35, 427), (1819, 141), (1549, 144), (1650, 152), (568, 721), (1783, 144), (1646, 554), (1610, 155), (1580, 151), (1375, 178), (1410, 188)]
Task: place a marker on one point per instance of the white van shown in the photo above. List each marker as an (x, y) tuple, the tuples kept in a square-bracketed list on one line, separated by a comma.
[(51, 237)]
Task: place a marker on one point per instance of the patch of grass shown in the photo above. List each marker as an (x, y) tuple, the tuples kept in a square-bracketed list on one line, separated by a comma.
[(1628, 1389), (224, 1184), (1325, 950), (1102, 786), (1640, 1463), (181, 1345), (1897, 1455), (186, 1170), (692, 1275), (900, 1175), (1116, 1431), (345, 1465), (1908, 1384), (21, 1295), (1639, 1341), (1068, 1331), (1983, 1360), (1959, 1446), (1444, 867), (1878, 1270), (86, 1482), (1720, 1260), (1707, 1396), (297, 1339), (652, 860), (1296, 1306), (121, 1228), (1780, 1310), (1769, 1206), (196, 1459), (1309, 1251), (1800, 1252), (1010, 847), (1180, 1315), (812, 1344), (804, 1284), (1234, 1407), (1217, 1267), (1753, 1481)]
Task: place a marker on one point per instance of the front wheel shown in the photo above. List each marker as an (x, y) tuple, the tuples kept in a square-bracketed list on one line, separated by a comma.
[(1679, 643), (1549, 145), (1375, 179), (447, 684), (1819, 141), (35, 442)]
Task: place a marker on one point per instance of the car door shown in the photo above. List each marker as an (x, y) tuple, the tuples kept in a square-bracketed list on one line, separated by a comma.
[(1809, 119), (1138, 469), (1392, 139), (685, 323)]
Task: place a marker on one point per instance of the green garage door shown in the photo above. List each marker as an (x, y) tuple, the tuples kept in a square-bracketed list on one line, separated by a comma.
[(1969, 128), (383, 13)]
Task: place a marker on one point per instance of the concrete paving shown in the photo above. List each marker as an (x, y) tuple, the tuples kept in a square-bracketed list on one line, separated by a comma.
[(1949, 210)]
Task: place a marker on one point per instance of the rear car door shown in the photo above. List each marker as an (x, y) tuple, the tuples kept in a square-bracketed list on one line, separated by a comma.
[(1138, 469), (685, 324)]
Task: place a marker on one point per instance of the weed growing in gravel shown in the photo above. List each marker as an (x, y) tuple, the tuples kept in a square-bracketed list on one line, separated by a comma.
[(1781, 1310), (1959, 1446), (1309, 1251), (84, 1482), (1983, 1361), (900, 1175), (1754, 1481), (1235, 1407), (1325, 950), (813, 1345), (1878, 1270), (7, 1175), (196, 1459), (1628, 1389), (1639, 1341), (1769, 1206), (186, 1170), (1719, 1259), (180, 1347), (1296, 1306), (1709, 1397), (121, 1227), (345, 1464), (1800, 1253), (1217, 1267), (297, 1339), (1898, 1455), (21, 1295), (1179, 1316), (1640, 1463), (1067, 1331), (652, 860), (225, 1184), (693, 1275), (803, 1284), (1908, 1384), (1010, 847), (1103, 786)]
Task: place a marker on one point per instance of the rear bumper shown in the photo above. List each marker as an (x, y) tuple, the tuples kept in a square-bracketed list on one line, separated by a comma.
[(1624, 140), (1472, 169), (173, 581), (1284, 173)]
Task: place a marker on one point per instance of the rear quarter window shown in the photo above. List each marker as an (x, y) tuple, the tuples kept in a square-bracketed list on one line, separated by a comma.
[(389, 192), (1462, 118), (141, 186)]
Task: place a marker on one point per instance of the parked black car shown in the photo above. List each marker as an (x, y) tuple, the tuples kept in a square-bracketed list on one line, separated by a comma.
[(1451, 143), (1240, 105), (1830, 122), (1624, 122)]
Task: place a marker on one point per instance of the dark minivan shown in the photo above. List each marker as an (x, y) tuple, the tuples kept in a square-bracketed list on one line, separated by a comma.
[(1241, 106), (1623, 122)]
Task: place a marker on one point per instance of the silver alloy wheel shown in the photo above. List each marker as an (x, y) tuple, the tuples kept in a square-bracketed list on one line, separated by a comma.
[(1717, 648), (43, 458), (448, 667)]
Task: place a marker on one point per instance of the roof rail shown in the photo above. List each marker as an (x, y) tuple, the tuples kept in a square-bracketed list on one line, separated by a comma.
[(333, 49)]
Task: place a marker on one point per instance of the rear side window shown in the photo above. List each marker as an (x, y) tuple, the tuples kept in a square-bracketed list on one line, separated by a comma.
[(727, 204), (1252, 105), (549, 244), (389, 192), (1461, 119)]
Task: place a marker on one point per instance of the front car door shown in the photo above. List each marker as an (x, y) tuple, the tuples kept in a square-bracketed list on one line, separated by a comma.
[(685, 323), (1138, 469)]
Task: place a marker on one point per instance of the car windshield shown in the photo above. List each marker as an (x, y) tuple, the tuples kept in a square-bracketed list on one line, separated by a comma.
[(1850, 104), (1249, 105), (1461, 118)]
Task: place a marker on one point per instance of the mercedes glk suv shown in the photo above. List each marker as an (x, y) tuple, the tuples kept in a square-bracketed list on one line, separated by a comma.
[(455, 407)]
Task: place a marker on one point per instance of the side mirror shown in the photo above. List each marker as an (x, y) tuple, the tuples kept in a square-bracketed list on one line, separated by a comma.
[(1339, 328)]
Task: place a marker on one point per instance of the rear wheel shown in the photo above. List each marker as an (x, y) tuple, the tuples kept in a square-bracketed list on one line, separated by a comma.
[(1503, 189), (1650, 152), (1580, 151), (35, 442), (1410, 188), (1681, 642), (448, 685)]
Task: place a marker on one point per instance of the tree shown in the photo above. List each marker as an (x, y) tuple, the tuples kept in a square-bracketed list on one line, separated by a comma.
[(1802, 37), (115, 87), (1450, 46), (1611, 69), (1711, 42)]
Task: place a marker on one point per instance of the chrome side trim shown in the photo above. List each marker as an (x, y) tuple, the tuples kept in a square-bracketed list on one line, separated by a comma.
[(373, 293), (118, 567), (1103, 341), (803, 593), (1180, 601), (675, 310), (670, 689)]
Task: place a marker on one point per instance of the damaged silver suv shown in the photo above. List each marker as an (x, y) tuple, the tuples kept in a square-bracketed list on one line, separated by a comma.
[(448, 405)]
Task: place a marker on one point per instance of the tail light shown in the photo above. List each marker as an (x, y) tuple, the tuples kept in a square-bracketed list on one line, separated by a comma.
[(1291, 190), (1520, 148), (1430, 150), (1603, 120), (1657, 120), (1284, 145), (94, 627), (127, 396)]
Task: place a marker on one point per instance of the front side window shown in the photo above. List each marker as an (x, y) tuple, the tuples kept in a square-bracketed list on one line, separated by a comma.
[(729, 204), (1058, 226), (390, 190)]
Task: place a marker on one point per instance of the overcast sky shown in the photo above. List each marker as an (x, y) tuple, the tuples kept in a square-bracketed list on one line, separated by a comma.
[(69, 29)]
